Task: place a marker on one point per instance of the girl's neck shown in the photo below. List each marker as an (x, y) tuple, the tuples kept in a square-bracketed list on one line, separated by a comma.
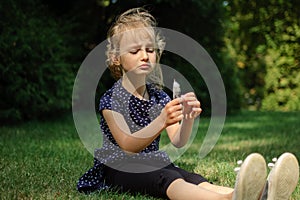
[(136, 85)]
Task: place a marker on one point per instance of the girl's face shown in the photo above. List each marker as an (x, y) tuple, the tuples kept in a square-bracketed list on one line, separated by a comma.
[(137, 52)]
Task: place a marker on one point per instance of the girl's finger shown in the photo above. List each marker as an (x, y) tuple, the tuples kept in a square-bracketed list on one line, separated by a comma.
[(193, 103), (189, 94), (176, 101), (195, 112), (188, 98), (175, 108), (175, 114)]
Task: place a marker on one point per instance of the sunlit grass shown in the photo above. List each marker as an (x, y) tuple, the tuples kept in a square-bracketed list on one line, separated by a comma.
[(43, 160)]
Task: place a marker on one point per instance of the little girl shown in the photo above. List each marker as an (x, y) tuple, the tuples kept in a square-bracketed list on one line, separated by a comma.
[(136, 110)]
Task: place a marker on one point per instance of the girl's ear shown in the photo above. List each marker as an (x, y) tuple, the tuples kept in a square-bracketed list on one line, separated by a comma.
[(116, 60)]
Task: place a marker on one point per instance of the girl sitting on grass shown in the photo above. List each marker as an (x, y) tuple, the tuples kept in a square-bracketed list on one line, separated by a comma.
[(136, 110)]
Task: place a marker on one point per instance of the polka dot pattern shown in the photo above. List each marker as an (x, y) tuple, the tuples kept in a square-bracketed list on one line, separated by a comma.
[(137, 113)]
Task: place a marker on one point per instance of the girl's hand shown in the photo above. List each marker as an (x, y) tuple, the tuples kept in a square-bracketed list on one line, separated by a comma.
[(172, 112), (191, 106)]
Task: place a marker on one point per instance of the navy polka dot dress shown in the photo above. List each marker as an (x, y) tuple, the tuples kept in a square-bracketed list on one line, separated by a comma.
[(138, 113)]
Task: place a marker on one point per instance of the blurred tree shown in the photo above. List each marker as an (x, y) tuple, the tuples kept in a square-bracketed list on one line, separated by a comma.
[(264, 37), (43, 43), (37, 70)]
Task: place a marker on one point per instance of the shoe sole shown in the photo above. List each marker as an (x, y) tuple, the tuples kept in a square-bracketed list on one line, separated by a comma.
[(251, 178), (283, 178)]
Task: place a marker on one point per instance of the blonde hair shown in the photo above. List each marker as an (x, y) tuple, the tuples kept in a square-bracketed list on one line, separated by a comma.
[(131, 19)]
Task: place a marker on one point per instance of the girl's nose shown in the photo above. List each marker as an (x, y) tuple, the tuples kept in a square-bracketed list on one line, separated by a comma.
[(144, 54)]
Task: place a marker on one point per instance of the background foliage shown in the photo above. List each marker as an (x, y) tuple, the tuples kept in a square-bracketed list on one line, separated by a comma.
[(264, 39), (255, 45), (37, 70)]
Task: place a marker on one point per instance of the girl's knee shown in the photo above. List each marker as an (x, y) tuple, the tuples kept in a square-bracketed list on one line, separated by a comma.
[(174, 187)]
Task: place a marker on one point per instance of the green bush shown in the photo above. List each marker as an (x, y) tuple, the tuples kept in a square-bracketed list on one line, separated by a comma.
[(282, 88), (36, 77), (263, 37)]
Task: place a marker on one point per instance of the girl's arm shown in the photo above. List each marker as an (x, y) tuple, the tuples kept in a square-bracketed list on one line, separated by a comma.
[(137, 141), (179, 134)]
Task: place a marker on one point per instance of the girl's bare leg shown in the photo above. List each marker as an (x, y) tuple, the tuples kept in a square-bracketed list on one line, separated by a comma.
[(216, 188), (182, 190)]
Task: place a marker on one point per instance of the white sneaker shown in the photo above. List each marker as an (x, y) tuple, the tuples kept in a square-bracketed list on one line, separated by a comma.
[(282, 179), (251, 178)]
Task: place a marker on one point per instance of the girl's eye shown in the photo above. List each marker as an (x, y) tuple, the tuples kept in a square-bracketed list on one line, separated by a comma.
[(133, 51), (150, 49)]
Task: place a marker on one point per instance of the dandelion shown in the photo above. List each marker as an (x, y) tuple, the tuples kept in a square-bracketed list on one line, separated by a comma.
[(176, 89)]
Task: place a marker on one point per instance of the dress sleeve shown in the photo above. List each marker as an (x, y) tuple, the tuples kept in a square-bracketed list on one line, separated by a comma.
[(105, 102), (108, 103)]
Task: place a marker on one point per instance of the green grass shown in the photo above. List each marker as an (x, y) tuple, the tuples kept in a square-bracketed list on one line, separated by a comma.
[(43, 160)]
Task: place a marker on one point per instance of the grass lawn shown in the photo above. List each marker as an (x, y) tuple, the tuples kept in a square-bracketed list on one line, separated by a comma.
[(43, 160)]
